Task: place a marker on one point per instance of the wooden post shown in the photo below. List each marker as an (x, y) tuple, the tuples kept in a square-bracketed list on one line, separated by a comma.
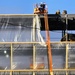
[(11, 58), (66, 58)]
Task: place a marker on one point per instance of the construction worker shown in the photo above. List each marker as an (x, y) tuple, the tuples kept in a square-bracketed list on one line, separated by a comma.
[(64, 12), (43, 8), (58, 12), (36, 9)]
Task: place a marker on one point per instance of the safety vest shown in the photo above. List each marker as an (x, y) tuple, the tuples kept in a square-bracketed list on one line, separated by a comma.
[(36, 10)]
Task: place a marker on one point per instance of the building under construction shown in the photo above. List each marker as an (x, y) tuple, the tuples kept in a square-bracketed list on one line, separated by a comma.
[(23, 50)]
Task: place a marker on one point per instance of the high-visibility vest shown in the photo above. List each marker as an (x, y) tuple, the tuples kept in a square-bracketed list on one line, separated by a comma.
[(36, 10)]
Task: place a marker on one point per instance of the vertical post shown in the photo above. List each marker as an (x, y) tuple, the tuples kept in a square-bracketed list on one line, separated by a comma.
[(11, 59), (48, 44), (34, 59), (66, 27), (11, 73), (33, 32), (66, 58), (66, 42), (34, 39)]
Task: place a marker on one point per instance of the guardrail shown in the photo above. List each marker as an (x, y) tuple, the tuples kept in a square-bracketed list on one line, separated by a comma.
[(13, 61)]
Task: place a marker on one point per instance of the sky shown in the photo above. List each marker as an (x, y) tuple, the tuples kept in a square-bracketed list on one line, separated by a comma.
[(27, 6)]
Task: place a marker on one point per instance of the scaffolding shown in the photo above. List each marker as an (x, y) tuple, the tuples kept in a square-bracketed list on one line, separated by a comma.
[(23, 50)]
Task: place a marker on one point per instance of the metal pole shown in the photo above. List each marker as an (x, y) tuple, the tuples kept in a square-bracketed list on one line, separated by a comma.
[(66, 42), (11, 59), (34, 39), (66, 27), (48, 44), (66, 56), (34, 59)]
